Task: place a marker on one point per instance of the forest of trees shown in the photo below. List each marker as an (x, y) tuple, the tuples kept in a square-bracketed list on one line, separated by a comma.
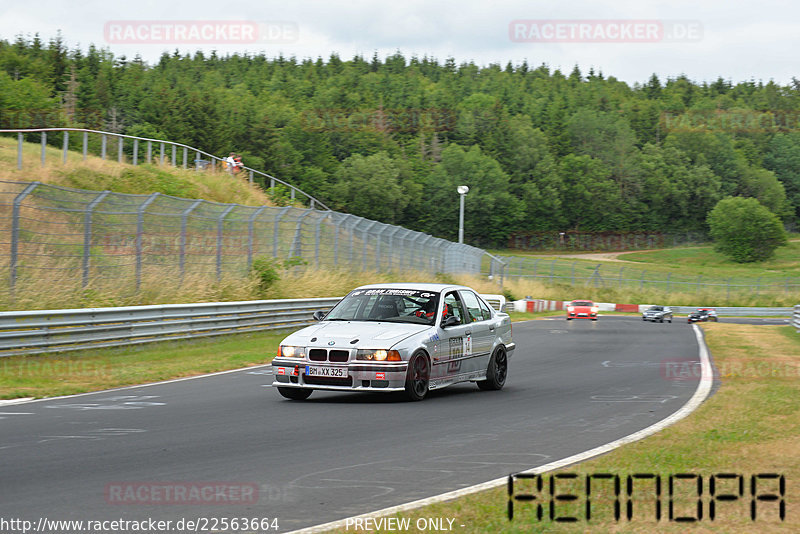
[(390, 138)]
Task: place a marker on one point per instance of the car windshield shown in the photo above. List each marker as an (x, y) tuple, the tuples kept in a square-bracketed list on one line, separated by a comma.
[(387, 305), (656, 308), (582, 303)]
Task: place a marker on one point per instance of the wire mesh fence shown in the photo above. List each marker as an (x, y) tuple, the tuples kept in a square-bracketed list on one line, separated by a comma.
[(88, 236), (586, 273)]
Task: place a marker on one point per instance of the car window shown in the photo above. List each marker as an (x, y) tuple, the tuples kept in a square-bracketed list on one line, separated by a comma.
[(387, 304), (473, 306), (453, 308), (486, 312)]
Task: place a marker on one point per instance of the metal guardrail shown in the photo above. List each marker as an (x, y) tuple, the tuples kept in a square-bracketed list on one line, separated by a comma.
[(723, 311), (40, 331), (35, 332), (796, 317), (160, 155)]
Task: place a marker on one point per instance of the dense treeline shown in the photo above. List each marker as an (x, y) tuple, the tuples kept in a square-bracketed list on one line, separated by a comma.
[(390, 139)]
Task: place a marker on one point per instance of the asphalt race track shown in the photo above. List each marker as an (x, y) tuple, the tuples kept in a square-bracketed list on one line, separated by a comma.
[(572, 386)]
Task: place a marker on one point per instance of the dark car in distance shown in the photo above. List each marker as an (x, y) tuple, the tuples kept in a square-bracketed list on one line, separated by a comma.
[(657, 314), (701, 315)]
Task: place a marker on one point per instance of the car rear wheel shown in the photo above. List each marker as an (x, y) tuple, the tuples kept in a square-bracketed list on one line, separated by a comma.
[(496, 372), (295, 393), (417, 377)]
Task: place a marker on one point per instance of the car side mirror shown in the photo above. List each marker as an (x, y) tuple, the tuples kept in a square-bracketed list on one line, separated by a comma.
[(319, 315), (452, 320)]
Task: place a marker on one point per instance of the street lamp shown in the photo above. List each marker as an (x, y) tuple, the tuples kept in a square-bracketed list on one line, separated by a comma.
[(462, 191)]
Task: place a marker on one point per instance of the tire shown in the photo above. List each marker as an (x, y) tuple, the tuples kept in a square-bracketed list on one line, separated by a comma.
[(661, 320), (670, 320), (496, 372), (418, 377), (295, 393), (569, 318)]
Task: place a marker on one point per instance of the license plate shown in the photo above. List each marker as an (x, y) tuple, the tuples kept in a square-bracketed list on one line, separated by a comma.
[(334, 372)]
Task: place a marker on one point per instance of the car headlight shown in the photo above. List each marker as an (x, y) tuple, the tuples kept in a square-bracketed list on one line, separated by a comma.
[(570, 308), (379, 355), (288, 351)]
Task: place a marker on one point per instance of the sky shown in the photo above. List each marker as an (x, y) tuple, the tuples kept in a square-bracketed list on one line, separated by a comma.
[(630, 40)]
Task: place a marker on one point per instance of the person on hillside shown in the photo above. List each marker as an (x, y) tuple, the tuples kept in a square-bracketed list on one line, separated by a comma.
[(230, 162), (237, 164)]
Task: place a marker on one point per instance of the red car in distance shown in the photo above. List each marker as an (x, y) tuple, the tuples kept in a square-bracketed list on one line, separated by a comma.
[(582, 309)]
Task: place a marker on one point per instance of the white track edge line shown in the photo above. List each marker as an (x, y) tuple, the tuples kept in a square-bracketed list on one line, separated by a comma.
[(29, 400), (700, 395)]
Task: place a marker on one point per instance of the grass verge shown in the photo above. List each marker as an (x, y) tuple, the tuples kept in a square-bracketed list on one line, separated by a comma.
[(98, 369), (750, 426)]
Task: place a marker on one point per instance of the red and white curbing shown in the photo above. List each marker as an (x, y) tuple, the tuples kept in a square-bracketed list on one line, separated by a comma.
[(541, 305)]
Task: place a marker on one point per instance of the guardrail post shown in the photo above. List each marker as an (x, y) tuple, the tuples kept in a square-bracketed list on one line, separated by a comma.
[(184, 223), (19, 151), (139, 235), (15, 234), (135, 152), (103, 142), (250, 236), (149, 152), (291, 195), (87, 234), (220, 222), (119, 149), (174, 155), (161, 158), (185, 156), (65, 147), (44, 146), (85, 145), (197, 161), (275, 229)]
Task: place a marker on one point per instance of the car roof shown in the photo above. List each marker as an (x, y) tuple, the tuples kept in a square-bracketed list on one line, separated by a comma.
[(423, 286)]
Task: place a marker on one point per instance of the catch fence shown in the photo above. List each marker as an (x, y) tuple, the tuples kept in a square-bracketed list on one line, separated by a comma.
[(53, 232)]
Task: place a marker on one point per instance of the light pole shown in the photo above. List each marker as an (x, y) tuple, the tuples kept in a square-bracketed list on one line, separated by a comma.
[(462, 191)]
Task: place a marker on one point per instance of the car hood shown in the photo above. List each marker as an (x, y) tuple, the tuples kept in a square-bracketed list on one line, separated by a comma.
[(373, 335)]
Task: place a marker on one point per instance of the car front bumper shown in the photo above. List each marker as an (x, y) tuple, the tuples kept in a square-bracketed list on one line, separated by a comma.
[(360, 375), (582, 315)]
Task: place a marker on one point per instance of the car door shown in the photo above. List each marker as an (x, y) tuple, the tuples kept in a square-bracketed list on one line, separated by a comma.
[(483, 329), (454, 358)]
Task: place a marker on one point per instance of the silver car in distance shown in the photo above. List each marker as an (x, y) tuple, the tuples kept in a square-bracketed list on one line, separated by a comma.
[(398, 337)]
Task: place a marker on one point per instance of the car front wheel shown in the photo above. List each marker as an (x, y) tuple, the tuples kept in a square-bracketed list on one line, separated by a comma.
[(417, 377), (295, 393), (496, 372)]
